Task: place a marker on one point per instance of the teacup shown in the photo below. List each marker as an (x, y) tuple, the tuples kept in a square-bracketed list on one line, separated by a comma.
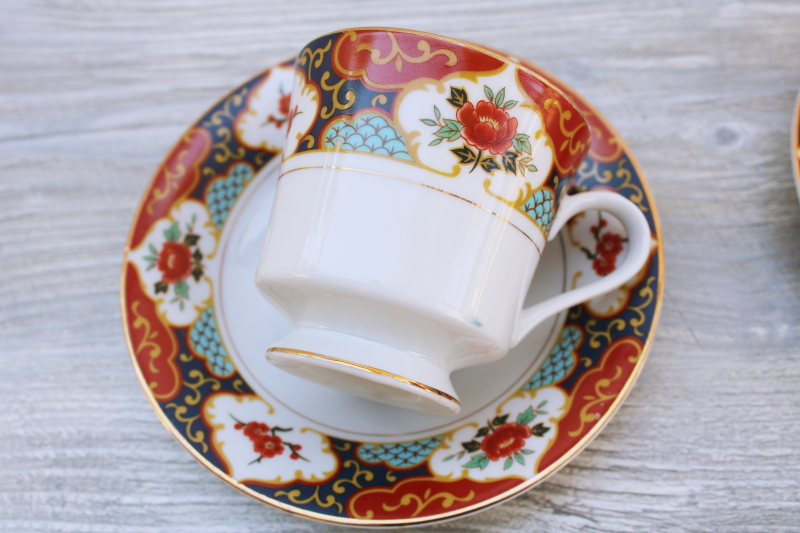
[(420, 181)]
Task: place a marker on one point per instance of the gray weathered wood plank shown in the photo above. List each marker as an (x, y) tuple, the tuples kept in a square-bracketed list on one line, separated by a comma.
[(92, 95)]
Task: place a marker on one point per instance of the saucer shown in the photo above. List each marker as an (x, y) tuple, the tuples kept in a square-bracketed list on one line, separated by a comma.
[(796, 144), (197, 331)]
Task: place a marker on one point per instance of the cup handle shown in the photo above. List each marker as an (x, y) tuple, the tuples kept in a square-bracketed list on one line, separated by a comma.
[(638, 252)]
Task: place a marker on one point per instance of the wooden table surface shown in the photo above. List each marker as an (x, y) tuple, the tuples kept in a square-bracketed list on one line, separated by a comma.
[(92, 95)]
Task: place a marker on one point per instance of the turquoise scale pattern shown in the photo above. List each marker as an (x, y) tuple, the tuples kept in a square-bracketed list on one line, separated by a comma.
[(539, 208), (560, 362), (208, 345), (371, 133), (400, 454), (223, 192)]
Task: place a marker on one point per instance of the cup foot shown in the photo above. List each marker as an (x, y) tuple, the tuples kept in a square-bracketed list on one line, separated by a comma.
[(354, 377)]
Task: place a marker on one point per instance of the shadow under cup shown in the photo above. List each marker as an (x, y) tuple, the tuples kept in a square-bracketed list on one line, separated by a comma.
[(420, 180)]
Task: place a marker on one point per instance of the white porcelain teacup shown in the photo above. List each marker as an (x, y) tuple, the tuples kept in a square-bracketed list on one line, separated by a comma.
[(420, 181)]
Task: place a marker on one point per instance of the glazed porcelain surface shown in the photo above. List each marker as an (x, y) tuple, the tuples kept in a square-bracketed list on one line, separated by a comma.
[(420, 180), (197, 332)]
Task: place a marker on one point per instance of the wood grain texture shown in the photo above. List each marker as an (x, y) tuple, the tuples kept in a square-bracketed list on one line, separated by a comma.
[(92, 95)]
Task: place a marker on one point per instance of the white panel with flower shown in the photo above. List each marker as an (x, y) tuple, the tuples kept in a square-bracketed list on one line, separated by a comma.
[(509, 443), (172, 261), (262, 124), (304, 108), (481, 124), (259, 444), (598, 245)]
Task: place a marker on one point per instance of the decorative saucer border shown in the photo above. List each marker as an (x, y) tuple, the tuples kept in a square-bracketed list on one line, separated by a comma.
[(796, 144), (608, 357)]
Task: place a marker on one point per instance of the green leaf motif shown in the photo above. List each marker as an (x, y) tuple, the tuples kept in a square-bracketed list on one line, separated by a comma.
[(541, 404), (152, 249), (510, 104), (525, 417), (458, 97), (519, 458), (478, 461), (436, 141), (451, 130), (508, 464), (429, 122), (498, 101), (182, 288), (532, 168), (489, 93), (437, 112), (526, 452), (173, 233), (448, 458), (522, 143)]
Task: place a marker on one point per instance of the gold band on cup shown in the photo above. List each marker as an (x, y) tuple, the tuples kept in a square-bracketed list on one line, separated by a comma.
[(366, 368)]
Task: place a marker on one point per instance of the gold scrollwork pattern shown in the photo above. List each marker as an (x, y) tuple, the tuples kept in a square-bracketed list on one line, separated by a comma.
[(585, 416), (571, 143), (522, 196), (594, 335), (294, 497), (590, 170), (308, 56), (447, 498), (216, 124), (338, 486), (350, 96), (648, 294), (148, 338), (195, 387), (198, 436), (397, 54), (344, 446)]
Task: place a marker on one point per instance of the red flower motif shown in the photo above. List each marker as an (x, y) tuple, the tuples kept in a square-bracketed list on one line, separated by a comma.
[(487, 127), (505, 441), (283, 104), (175, 261), (256, 431), (609, 245), (604, 265), (268, 446)]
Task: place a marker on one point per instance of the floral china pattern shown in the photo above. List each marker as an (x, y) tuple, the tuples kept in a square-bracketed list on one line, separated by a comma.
[(171, 262), (266, 443), (256, 442), (608, 246), (487, 127), (263, 123), (501, 439), (502, 445), (272, 453)]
